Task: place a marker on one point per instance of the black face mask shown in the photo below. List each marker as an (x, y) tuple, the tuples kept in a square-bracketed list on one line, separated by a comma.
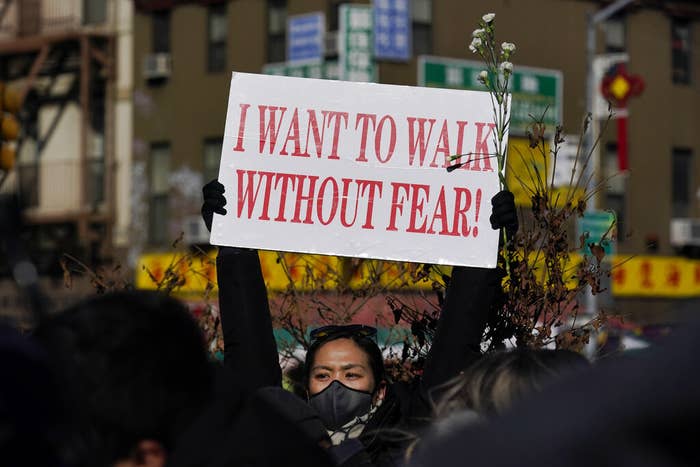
[(338, 404)]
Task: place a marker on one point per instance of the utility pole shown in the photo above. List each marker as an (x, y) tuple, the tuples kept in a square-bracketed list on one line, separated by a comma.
[(592, 133), (589, 138)]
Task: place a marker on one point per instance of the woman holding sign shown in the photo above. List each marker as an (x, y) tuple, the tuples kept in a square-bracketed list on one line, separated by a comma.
[(344, 371)]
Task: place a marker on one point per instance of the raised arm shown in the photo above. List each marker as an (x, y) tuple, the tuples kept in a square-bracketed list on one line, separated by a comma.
[(469, 297), (250, 350)]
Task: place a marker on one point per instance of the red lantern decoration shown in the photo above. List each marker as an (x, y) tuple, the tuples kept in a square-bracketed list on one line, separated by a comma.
[(617, 87)]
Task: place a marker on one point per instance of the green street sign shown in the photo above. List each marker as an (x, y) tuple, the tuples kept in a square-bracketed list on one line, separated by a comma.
[(598, 227), (355, 43), (325, 70), (535, 91)]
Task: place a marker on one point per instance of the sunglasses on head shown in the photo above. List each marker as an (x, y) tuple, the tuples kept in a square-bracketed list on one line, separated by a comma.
[(349, 330)]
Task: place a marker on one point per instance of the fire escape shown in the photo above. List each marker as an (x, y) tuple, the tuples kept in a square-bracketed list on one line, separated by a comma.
[(61, 54)]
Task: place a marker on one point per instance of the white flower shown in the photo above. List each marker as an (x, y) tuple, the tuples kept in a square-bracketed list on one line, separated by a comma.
[(483, 76), (474, 46), (506, 67), (478, 32), (488, 17), (508, 47)]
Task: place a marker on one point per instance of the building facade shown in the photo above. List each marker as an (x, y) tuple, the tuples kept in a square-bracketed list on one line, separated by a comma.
[(179, 118), (164, 104)]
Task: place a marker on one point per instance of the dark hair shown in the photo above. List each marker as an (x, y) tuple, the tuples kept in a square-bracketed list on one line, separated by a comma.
[(494, 382), (296, 380), (366, 344), (137, 368)]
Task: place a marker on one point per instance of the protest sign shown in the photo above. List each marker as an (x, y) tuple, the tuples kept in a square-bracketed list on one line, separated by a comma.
[(358, 169)]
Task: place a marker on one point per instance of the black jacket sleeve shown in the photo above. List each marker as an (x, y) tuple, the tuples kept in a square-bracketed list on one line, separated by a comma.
[(250, 350), (457, 340)]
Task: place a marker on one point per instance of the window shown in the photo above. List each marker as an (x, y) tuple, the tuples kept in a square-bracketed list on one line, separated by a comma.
[(681, 182), (94, 11), (95, 177), (680, 51), (422, 19), (29, 17), (28, 172), (159, 184), (615, 190), (276, 30), (161, 31), (216, 43), (212, 156), (615, 34)]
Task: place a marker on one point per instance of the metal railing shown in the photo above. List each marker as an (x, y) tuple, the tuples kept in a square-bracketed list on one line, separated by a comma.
[(8, 19), (60, 15), (32, 17)]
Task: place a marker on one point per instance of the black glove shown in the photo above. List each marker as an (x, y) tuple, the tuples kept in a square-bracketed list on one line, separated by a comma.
[(214, 201), (295, 410), (504, 214)]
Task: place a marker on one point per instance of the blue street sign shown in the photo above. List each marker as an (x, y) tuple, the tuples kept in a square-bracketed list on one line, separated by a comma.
[(392, 30), (305, 37)]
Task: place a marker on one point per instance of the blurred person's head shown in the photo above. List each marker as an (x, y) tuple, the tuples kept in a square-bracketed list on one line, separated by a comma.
[(344, 373), (492, 384), (32, 419), (136, 368)]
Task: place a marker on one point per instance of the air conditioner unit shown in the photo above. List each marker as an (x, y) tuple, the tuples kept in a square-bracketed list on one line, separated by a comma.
[(685, 232), (330, 44), (157, 66), (196, 232)]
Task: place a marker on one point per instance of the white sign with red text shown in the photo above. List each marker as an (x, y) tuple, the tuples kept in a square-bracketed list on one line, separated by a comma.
[(358, 169)]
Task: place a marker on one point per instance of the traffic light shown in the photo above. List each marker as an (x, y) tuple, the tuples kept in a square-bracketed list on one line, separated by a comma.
[(10, 102)]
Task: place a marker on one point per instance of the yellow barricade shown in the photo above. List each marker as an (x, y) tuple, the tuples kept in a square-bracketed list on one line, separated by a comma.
[(306, 272), (655, 276), (636, 276)]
